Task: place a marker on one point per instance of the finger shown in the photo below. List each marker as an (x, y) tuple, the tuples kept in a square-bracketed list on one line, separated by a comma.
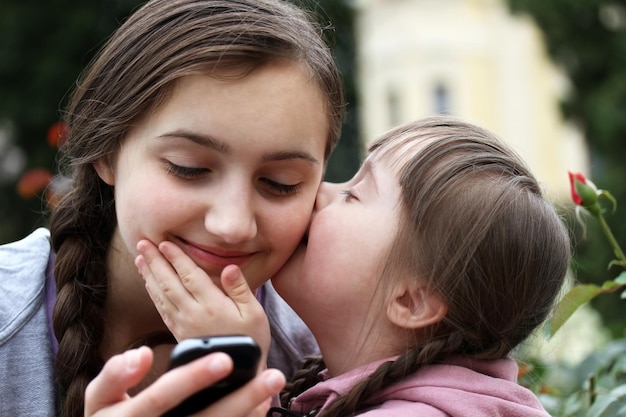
[(250, 310), (193, 278), (160, 277), (178, 384), (164, 306), (120, 373), (237, 288), (253, 399)]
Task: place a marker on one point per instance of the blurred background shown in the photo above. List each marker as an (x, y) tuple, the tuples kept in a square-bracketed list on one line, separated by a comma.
[(549, 76)]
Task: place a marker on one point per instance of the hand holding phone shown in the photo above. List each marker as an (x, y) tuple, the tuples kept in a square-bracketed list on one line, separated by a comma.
[(245, 354)]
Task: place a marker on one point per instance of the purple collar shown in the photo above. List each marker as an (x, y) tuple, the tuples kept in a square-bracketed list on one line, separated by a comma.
[(50, 296)]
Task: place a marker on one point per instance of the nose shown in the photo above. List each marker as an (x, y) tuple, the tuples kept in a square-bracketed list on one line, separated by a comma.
[(326, 193), (232, 216)]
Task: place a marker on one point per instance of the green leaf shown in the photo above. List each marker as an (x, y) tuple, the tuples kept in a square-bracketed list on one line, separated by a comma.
[(610, 197), (609, 286), (621, 278), (609, 405), (579, 295), (576, 297)]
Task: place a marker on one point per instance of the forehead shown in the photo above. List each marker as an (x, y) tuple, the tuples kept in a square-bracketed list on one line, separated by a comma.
[(398, 151), (276, 99)]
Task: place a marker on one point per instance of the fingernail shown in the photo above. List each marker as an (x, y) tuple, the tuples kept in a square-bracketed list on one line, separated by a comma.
[(140, 264), (218, 363), (275, 381), (132, 359)]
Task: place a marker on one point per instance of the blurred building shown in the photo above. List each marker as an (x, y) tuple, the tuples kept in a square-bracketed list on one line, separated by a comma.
[(472, 59)]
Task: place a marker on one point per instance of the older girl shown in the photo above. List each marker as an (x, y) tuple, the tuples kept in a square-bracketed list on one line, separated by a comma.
[(204, 122)]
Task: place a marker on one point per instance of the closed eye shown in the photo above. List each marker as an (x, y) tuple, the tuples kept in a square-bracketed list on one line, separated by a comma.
[(280, 188), (348, 196), (186, 173)]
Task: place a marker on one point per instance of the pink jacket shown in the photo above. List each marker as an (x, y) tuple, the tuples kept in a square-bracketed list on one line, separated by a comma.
[(459, 388)]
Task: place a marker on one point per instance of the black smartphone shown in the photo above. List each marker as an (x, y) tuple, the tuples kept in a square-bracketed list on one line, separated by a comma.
[(245, 354)]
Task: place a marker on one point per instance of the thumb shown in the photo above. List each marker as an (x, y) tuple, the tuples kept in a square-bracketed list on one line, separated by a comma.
[(236, 286), (252, 315), (120, 373)]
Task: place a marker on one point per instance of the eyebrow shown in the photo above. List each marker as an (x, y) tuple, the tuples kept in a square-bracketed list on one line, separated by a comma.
[(285, 155), (221, 147), (203, 140)]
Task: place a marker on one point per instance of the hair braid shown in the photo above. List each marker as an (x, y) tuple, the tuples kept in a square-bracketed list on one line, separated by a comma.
[(303, 379), (80, 235), (364, 393), (135, 71)]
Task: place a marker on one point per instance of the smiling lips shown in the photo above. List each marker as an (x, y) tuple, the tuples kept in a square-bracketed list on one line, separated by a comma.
[(212, 257)]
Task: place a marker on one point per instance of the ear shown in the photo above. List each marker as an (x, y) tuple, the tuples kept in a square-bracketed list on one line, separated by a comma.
[(105, 170), (415, 308)]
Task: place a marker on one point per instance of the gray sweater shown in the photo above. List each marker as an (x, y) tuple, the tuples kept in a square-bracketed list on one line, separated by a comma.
[(27, 385), (26, 375)]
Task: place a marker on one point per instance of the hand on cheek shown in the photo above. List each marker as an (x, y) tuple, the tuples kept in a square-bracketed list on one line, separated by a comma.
[(164, 288), (252, 318), (191, 305)]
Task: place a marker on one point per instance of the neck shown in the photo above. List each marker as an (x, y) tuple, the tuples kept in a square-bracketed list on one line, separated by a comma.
[(129, 313), (346, 349)]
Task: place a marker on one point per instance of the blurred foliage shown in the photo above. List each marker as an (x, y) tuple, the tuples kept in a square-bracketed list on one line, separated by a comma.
[(587, 38), (44, 45), (595, 387)]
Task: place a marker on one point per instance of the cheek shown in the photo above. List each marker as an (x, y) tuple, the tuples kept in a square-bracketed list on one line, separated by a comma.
[(145, 210), (285, 227), (333, 240), (346, 247)]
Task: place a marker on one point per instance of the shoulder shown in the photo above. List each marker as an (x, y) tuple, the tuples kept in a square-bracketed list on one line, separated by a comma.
[(485, 387), (35, 244), (285, 323), (291, 338), (399, 408), (22, 279), (22, 259)]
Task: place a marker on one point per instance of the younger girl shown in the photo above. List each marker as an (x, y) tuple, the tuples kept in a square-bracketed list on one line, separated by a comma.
[(419, 277)]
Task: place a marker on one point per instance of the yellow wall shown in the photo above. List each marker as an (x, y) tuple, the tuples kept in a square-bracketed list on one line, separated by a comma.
[(494, 65)]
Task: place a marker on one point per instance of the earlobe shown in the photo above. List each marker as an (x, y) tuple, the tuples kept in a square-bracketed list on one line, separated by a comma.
[(105, 171), (414, 308)]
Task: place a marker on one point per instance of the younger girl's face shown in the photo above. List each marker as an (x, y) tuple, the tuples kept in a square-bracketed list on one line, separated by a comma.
[(330, 282), (226, 169)]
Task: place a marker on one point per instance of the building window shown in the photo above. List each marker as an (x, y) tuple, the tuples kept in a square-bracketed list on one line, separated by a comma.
[(441, 99), (393, 107)]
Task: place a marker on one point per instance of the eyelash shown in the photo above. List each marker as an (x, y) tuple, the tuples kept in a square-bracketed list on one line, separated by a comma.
[(185, 172), (282, 189), (188, 173), (348, 195)]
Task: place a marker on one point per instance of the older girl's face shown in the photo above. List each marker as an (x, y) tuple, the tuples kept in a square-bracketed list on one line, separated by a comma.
[(226, 169)]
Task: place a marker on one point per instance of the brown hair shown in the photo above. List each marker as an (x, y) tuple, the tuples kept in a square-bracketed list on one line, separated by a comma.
[(161, 42), (475, 228)]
